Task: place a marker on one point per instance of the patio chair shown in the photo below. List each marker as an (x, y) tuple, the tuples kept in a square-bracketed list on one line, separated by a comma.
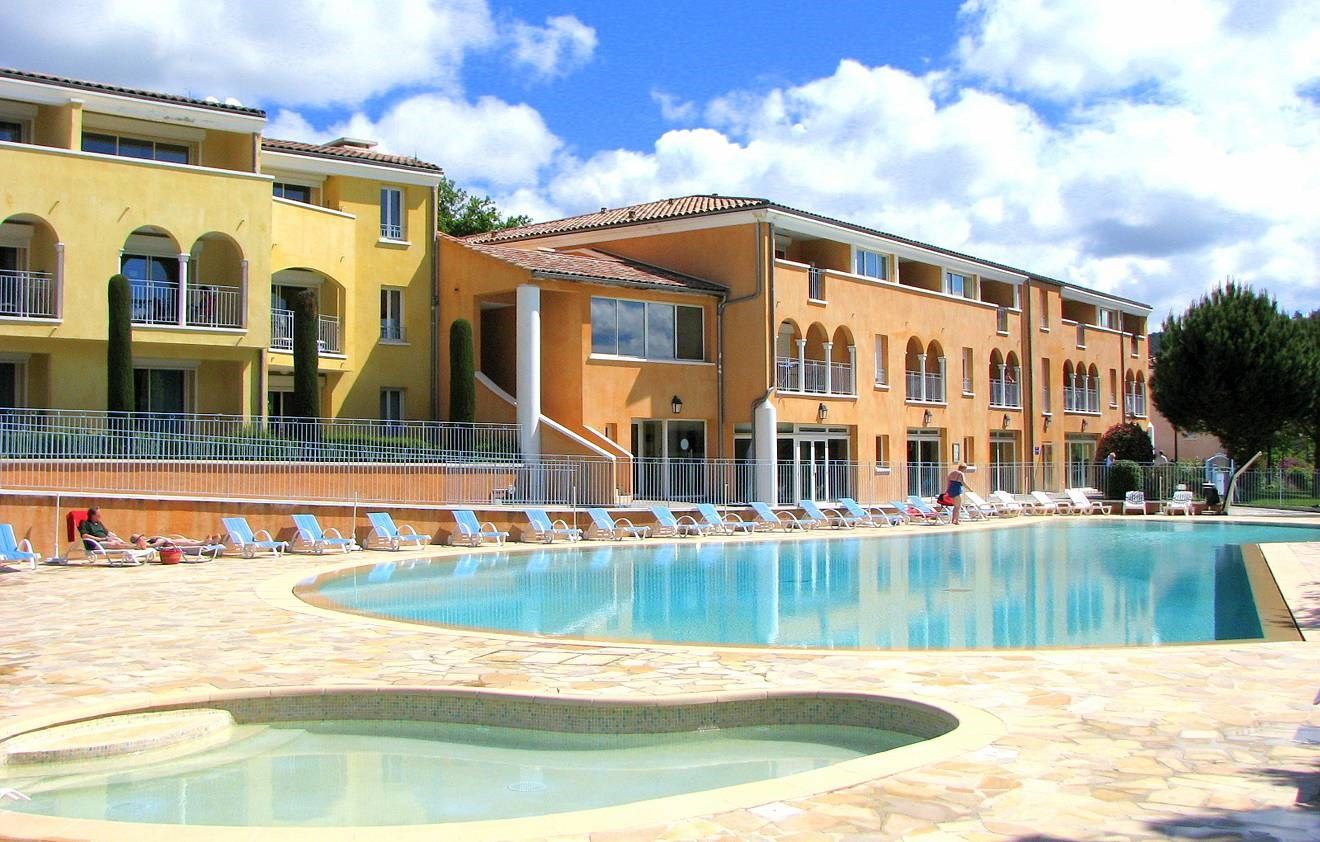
[(1013, 505), (312, 538), (1049, 506), (472, 532), (912, 513), (1182, 501), (894, 510), (190, 550), (943, 514), (668, 524), (724, 524), (975, 502), (249, 543), (546, 530), (13, 551), (1134, 501), (388, 534), (93, 550), (1085, 505), (768, 518), (868, 516), (830, 517), (616, 529)]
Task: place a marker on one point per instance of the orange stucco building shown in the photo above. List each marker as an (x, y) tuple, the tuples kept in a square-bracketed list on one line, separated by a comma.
[(710, 327)]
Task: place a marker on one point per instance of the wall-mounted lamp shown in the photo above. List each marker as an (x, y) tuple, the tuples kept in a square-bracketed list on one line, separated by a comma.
[(1047, 422), (926, 418), (1083, 425), (823, 412), (1007, 420), (676, 405)]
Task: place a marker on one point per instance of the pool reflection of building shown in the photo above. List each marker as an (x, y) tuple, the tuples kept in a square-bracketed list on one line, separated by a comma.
[(1015, 588)]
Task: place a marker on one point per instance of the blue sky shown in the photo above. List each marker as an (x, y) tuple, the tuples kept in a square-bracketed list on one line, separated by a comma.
[(1147, 149)]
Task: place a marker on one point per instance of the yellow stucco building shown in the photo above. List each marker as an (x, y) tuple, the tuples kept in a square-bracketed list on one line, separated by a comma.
[(217, 228), (823, 350)]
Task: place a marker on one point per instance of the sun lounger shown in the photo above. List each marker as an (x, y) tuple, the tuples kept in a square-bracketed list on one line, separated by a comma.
[(1085, 505), (546, 530), (312, 538), (190, 550), (387, 533), (1013, 505), (975, 502), (1049, 505), (1182, 501), (472, 532), (1134, 501), (768, 518), (912, 513), (866, 516), (827, 517), (724, 524), (13, 551), (248, 543), (942, 514), (667, 524), (94, 550), (616, 529)]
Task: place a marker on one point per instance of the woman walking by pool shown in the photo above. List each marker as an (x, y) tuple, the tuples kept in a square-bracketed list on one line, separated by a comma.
[(957, 481)]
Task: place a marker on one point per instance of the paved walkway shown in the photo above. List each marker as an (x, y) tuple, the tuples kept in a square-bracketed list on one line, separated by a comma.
[(1206, 742)]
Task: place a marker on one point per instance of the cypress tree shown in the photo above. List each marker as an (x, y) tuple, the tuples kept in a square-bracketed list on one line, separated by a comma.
[(119, 348), (462, 373), (306, 401)]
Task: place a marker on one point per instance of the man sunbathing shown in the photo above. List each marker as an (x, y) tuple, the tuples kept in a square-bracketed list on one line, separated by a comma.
[(95, 529)]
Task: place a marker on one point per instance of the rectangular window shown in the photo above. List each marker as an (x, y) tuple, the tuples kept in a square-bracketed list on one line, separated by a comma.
[(391, 213), (162, 390), (1044, 309), (882, 450), (645, 330), (391, 314), (1045, 385), (882, 360), (1113, 388), (968, 379), (11, 132), (956, 283), (969, 450), (1108, 318), (134, 147), (872, 264), (391, 404), (11, 384), (293, 192)]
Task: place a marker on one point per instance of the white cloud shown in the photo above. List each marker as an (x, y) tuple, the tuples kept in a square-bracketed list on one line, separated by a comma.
[(562, 45), (490, 142), (293, 52), (673, 109)]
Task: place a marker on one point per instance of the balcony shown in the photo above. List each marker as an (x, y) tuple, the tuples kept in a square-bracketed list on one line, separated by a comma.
[(27, 295), (1081, 399), (157, 303), (1005, 394), (923, 387), (327, 333), (1135, 404), (815, 377)]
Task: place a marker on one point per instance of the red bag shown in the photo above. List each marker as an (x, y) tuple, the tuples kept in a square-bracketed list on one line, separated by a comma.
[(944, 499)]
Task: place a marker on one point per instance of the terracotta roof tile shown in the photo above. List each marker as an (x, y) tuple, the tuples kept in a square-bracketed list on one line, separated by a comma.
[(82, 85), (352, 153), (606, 217), (594, 265)]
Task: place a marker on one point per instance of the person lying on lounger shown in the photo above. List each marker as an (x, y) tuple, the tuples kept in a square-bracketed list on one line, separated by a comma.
[(95, 529)]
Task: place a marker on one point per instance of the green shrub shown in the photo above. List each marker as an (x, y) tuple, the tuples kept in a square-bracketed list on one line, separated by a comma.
[(462, 375), (1123, 476), (119, 348), (1126, 441), (306, 402)]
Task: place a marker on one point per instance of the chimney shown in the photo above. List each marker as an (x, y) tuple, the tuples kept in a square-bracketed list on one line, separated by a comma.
[(352, 143)]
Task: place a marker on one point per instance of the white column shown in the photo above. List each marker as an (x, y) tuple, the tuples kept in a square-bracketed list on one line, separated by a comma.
[(529, 372), (944, 379), (852, 369), (1003, 385), (801, 385), (921, 366), (242, 293), (58, 292), (829, 370), (183, 288), (765, 447)]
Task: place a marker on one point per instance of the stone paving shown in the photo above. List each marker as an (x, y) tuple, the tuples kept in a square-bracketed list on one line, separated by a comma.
[(1203, 742)]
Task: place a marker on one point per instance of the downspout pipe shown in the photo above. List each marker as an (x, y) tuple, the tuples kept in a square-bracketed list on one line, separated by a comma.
[(435, 304)]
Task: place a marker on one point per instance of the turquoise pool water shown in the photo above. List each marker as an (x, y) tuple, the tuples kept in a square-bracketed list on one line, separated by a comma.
[(1056, 583), (362, 773)]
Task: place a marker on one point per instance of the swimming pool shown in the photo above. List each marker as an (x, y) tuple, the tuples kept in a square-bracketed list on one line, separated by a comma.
[(1055, 583)]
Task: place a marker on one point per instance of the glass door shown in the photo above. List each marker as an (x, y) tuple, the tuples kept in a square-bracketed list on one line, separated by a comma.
[(923, 460), (1081, 456), (1003, 463)]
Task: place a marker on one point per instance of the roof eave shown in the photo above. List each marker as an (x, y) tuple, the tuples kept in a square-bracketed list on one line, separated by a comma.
[(547, 275)]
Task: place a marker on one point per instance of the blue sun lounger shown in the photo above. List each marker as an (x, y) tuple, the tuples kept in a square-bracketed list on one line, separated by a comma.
[(388, 534)]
